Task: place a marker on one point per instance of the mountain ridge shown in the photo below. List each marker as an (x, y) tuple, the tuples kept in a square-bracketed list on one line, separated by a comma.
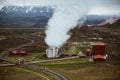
[(37, 17)]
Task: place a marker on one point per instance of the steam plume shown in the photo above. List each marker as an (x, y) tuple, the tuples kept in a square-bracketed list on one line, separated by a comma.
[(65, 17)]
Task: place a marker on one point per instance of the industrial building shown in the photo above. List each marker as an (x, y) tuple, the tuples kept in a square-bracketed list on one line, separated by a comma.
[(52, 52), (96, 52)]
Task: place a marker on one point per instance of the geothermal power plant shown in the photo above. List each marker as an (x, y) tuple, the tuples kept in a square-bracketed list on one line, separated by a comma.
[(52, 52)]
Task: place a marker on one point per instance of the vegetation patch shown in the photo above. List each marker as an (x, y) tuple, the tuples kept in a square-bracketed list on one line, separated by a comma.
[(87, 71), (14, 73)]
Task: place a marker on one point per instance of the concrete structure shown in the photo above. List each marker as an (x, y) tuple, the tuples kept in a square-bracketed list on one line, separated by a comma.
[(52, 52)]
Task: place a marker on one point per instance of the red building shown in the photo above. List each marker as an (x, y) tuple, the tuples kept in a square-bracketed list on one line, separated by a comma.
[(98, 51), (13, 52), (20, 53)]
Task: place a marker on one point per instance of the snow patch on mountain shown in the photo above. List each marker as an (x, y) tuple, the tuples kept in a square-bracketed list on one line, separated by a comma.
[(27, 11), (108, 21)]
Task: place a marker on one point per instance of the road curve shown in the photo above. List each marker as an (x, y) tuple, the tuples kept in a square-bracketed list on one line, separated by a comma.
[(31, 42), (62, 77)]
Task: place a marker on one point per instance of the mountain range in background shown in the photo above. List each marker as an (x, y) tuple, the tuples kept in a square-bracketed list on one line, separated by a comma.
[(37, 17)]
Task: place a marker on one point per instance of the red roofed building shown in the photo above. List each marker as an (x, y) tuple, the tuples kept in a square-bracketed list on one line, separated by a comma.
[(21, 53), (98, 51), (13, 53)]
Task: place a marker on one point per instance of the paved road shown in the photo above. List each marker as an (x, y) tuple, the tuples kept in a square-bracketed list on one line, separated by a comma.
[(40, 61), (2, 65)]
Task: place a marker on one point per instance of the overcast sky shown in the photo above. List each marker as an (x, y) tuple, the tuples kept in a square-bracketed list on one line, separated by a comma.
[(109, 7), (99, 7)]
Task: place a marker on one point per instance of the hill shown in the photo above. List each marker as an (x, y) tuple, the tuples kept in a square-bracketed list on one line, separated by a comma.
[(109, 34)]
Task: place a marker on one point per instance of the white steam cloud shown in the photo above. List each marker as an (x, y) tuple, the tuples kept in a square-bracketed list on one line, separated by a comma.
[(66, 16)]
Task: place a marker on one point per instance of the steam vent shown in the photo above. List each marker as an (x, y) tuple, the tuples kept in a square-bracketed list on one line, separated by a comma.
[(52, 52)]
